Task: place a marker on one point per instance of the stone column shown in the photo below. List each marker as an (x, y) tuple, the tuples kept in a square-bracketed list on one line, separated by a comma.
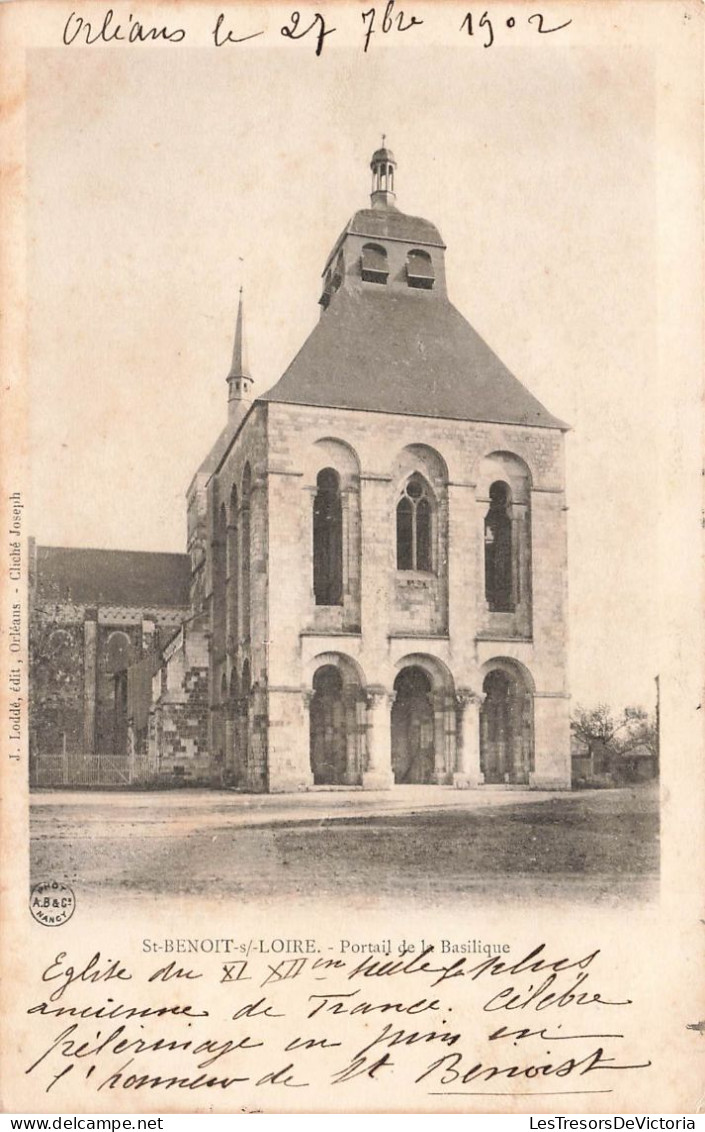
[(468, 774), (351, 559), (379, 774), (307, 538), (345, 545), (516, 527), (440, 771), (483, 608), (307, 698), (351, 776)]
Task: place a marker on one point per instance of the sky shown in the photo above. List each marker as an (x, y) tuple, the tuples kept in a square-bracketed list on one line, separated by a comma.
[(160, 182)]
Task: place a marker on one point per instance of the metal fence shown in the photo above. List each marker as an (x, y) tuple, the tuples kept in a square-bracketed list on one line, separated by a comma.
[(88, 770)]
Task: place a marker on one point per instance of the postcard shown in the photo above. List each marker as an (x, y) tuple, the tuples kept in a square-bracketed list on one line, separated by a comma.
[(352, 643)]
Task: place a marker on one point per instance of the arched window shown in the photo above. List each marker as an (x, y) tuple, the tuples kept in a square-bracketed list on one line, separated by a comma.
[(328, 539), (374, 266), (414, 526), (499, 587), (246, 550), (218, 580), (118, 652), (419, 270)]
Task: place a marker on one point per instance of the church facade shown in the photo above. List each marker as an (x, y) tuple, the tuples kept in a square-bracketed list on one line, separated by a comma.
[(377, 544)]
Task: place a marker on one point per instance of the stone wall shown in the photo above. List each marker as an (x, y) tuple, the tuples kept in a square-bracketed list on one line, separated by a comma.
[(377, 440), (262, 664), (79, 654), (179, 740), (238, 669), (442, 616)]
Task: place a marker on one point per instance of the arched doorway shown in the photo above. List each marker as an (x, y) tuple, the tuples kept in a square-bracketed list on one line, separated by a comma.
[(329, 730), (413, 728), (506, 727)]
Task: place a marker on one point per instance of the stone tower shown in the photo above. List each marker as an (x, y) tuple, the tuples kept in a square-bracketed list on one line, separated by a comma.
[(381, 542)]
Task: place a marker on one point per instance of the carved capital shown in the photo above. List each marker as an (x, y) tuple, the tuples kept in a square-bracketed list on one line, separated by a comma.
[(465, 696), (376, 697)]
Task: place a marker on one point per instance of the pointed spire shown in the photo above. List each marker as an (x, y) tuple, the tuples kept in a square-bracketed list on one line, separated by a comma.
[(239, 367), (239, 379)]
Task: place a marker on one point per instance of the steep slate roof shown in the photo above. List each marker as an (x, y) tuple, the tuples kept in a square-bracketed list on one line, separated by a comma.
[(395, 225), (218, 450), (113, 577), (405, 353)]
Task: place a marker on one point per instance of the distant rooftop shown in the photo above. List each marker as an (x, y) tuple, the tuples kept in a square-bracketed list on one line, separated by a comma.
[(113, 577)]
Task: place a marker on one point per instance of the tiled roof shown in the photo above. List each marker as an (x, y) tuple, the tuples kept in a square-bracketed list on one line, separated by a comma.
[(411, 353), (113, 577)]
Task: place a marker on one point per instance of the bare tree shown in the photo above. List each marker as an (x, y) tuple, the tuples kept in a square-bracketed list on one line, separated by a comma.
[(605, 732)]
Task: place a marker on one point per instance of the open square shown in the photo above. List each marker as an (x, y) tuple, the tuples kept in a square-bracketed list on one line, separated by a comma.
[(423, 845)]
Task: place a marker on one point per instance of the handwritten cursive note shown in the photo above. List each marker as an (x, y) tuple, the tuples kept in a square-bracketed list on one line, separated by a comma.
[(381, 23), (437, 1023)]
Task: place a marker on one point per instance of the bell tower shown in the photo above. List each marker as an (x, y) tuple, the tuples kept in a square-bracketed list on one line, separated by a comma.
[(383, 166)]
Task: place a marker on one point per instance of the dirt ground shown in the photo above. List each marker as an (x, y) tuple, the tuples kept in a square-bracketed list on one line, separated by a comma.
[(427, 845)]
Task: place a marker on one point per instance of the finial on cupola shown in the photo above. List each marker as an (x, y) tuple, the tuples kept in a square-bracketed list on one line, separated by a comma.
[(383, 165), (239, 378)]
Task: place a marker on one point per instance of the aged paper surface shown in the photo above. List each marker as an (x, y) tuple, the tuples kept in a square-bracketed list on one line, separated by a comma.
[(200, 961)]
